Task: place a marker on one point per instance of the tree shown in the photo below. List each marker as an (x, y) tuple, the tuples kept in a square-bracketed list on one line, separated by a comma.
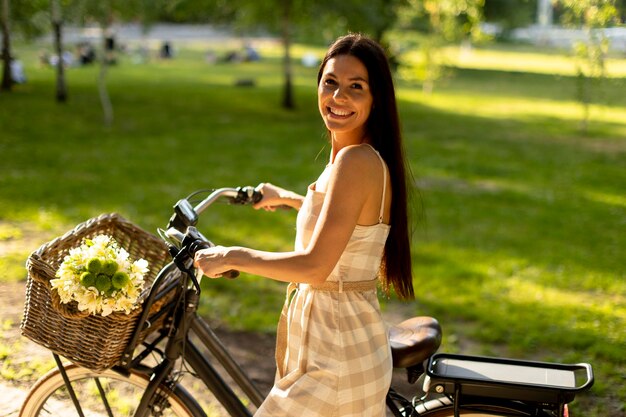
[(6, 47), (291, 19), (29, 18), (510, 14), (288, 101), (439, 22), (105, 12), (57, 28), (592, 16), (279, 16), (100, 11), (32, 19)]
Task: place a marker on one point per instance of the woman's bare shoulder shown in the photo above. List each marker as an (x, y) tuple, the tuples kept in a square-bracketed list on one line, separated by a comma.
[(357, 157), (357, 167)]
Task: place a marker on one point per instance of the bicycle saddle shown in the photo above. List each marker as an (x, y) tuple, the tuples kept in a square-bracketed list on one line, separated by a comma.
[(414, 340)]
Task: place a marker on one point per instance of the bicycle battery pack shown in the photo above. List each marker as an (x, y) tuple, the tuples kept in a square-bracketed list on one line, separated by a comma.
[(537, 382)]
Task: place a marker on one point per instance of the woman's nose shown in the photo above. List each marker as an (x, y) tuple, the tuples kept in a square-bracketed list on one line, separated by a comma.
[(339, 94)]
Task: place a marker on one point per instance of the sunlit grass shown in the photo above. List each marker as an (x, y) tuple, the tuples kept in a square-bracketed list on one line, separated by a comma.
[(501, 107), (557, 63), (605, 198)]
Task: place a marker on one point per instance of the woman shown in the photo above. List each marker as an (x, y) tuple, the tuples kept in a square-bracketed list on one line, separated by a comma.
[(333, 355)]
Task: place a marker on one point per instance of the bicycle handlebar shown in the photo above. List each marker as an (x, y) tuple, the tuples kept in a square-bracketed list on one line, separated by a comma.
[(181, 233), (240, 195)]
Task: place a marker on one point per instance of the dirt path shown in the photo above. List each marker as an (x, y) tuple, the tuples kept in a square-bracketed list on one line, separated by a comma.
[(254, 351)]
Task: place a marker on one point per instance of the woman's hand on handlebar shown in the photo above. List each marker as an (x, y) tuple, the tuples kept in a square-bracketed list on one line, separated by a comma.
[(211, 261), (275, 197)]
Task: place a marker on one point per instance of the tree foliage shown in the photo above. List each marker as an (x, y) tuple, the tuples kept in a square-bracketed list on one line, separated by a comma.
[(451, 20), (439, 23), (510, 14), (592, 16)]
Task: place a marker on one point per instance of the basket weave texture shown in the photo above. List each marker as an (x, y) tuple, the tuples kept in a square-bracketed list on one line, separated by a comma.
[(92, 341)]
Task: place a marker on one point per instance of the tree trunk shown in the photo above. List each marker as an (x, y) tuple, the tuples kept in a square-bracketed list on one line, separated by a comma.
[(6, 48), (57, 25), (105, 101), (288, 100)]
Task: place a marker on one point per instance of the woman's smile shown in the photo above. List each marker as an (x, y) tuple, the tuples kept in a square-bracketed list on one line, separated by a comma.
[(337, 112)]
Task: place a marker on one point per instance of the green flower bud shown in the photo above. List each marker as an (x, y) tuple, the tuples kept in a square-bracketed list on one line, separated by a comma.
[(103, 282), (109, 267), (120, 280), (94, 265), (87, 279)]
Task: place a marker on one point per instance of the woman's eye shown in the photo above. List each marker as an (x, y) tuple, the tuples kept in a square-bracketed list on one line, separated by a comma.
[(329, 81), (357, 86)]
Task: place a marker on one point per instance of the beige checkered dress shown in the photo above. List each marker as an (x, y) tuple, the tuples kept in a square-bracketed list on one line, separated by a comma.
[(335, 359)]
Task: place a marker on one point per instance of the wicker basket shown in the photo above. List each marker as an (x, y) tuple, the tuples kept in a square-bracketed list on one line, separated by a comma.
[(92, 341)]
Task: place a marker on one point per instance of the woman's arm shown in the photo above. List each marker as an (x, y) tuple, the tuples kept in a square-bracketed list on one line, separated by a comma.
[(347, 191)]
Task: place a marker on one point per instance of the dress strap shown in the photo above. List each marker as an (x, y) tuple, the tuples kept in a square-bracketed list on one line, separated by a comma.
[(382, 202)]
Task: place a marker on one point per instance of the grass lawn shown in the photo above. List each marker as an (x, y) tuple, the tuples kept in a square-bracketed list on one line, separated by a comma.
[(520, 246)]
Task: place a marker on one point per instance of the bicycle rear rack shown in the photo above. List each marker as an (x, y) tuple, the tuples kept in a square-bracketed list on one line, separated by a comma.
[(547, 384)]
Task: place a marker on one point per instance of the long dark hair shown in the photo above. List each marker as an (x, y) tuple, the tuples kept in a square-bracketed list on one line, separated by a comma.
[(384, 129)]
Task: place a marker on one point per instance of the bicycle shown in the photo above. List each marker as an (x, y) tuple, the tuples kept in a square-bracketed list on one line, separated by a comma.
[(453, 385)]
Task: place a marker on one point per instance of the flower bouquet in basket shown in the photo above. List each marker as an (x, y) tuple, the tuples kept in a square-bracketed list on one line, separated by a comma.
[(85, 291), (100, 276)]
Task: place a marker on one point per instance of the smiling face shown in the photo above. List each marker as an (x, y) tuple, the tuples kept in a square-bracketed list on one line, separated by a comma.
[(344, 97)]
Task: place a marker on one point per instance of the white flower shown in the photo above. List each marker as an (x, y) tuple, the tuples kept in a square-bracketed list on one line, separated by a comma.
[(132, 292), (126, 303), (140, 266), (108, 306), (122, 255), (88, 300)]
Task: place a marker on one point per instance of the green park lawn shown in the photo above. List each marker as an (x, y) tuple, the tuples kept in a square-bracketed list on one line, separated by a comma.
[(520, 236)]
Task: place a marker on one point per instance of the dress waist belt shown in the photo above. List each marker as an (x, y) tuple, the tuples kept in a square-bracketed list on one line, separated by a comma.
[(327, 286), (340, 286)]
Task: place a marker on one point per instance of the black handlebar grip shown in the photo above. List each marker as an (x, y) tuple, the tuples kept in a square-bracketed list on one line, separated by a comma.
[(197, 245), (247, 195), (256, 196)]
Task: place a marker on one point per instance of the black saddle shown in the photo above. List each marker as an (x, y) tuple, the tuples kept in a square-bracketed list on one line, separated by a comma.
[(413, 341)]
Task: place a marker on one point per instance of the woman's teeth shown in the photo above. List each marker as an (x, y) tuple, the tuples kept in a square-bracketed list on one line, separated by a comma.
[(338, 112)]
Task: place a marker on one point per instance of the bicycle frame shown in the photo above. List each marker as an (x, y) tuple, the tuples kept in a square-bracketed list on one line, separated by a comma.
[(206, 372), (182, 345)]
